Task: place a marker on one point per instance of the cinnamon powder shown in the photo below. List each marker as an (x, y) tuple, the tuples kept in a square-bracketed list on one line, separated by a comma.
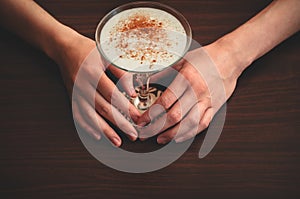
[(142, 38)]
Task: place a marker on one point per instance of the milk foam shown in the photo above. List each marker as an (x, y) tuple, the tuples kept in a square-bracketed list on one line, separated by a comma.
[(143, 39)]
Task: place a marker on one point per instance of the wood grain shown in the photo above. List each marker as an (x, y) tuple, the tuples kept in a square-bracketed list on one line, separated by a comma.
[(257, 155)]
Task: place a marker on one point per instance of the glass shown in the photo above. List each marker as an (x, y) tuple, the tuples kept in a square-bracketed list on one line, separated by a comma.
[(142, 73)]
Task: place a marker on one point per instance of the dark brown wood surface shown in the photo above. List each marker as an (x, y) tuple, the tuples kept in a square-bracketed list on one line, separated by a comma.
[(257, 155)]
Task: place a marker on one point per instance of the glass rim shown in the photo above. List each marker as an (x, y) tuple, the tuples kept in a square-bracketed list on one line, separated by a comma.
[(149, 4)]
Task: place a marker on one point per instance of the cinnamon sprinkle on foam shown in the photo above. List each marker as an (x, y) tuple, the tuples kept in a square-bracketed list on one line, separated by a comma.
[(142, 38)]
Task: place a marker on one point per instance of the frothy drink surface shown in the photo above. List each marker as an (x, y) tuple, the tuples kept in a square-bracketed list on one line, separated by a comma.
[(143, 39)]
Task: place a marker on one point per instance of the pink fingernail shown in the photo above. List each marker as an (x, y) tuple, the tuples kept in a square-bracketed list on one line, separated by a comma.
[(142, 124), (97, 136), (132, 93), (133, 136), (181, 139), (143, 139), (116, 142), (162, 140)]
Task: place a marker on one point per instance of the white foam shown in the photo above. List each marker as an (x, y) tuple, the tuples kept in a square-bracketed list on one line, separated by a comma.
[(137, 47)]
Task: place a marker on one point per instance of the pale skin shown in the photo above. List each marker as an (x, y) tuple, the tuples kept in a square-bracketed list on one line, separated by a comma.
[(231, 54), (69, 49)]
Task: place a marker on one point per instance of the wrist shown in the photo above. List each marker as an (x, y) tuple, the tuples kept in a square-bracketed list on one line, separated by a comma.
[(229, 57), (59, 41), (68, 47), (229, 61)]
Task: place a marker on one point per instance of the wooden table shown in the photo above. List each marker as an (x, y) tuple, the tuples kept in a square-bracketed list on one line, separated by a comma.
[(258, 153)]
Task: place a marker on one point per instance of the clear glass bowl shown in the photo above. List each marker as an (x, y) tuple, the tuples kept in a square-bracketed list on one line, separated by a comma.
[(144, 4)]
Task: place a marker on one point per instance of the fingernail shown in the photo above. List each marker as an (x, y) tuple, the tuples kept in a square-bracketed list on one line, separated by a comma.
[(116, 142), (142, 124), (181, 139), (143, 139), (133, 136), (132, 93), (162, 140), (97, 136)]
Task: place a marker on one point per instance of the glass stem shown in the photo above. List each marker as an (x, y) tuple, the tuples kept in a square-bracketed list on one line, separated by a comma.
[(143, 80)]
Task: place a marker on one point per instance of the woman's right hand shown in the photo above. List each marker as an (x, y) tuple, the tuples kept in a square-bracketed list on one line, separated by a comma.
[(81, 67)]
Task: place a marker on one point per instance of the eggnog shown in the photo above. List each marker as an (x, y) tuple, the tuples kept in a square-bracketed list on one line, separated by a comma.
[(143, 39)]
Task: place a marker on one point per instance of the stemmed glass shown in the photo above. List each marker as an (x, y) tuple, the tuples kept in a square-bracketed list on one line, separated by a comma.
[(150, 36)]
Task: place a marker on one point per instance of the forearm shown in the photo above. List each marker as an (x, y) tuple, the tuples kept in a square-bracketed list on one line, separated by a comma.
[(259, 35), (29, 21)]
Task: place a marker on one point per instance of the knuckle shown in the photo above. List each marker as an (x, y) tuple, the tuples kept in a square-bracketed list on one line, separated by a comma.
[(174, 116), (104, 110), (194, 121), (204, 124), (164, 101), (89, 114)]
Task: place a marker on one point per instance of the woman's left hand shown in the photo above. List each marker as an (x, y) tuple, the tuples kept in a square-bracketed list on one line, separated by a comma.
[(188, 105)]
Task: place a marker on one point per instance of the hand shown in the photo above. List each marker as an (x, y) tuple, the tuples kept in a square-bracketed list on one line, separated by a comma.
[(82, 67), (188, 105), (200, 93)]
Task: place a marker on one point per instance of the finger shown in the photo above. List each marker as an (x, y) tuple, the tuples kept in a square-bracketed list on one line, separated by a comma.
[(113, 115), (108, 111), (204, 123), (187, 125), (162, 75), (167, 99), (176, 113), (166, 76), (125, 80), (112, 95), (178, 66), (83, 124), (154, 129), (94, 119)]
